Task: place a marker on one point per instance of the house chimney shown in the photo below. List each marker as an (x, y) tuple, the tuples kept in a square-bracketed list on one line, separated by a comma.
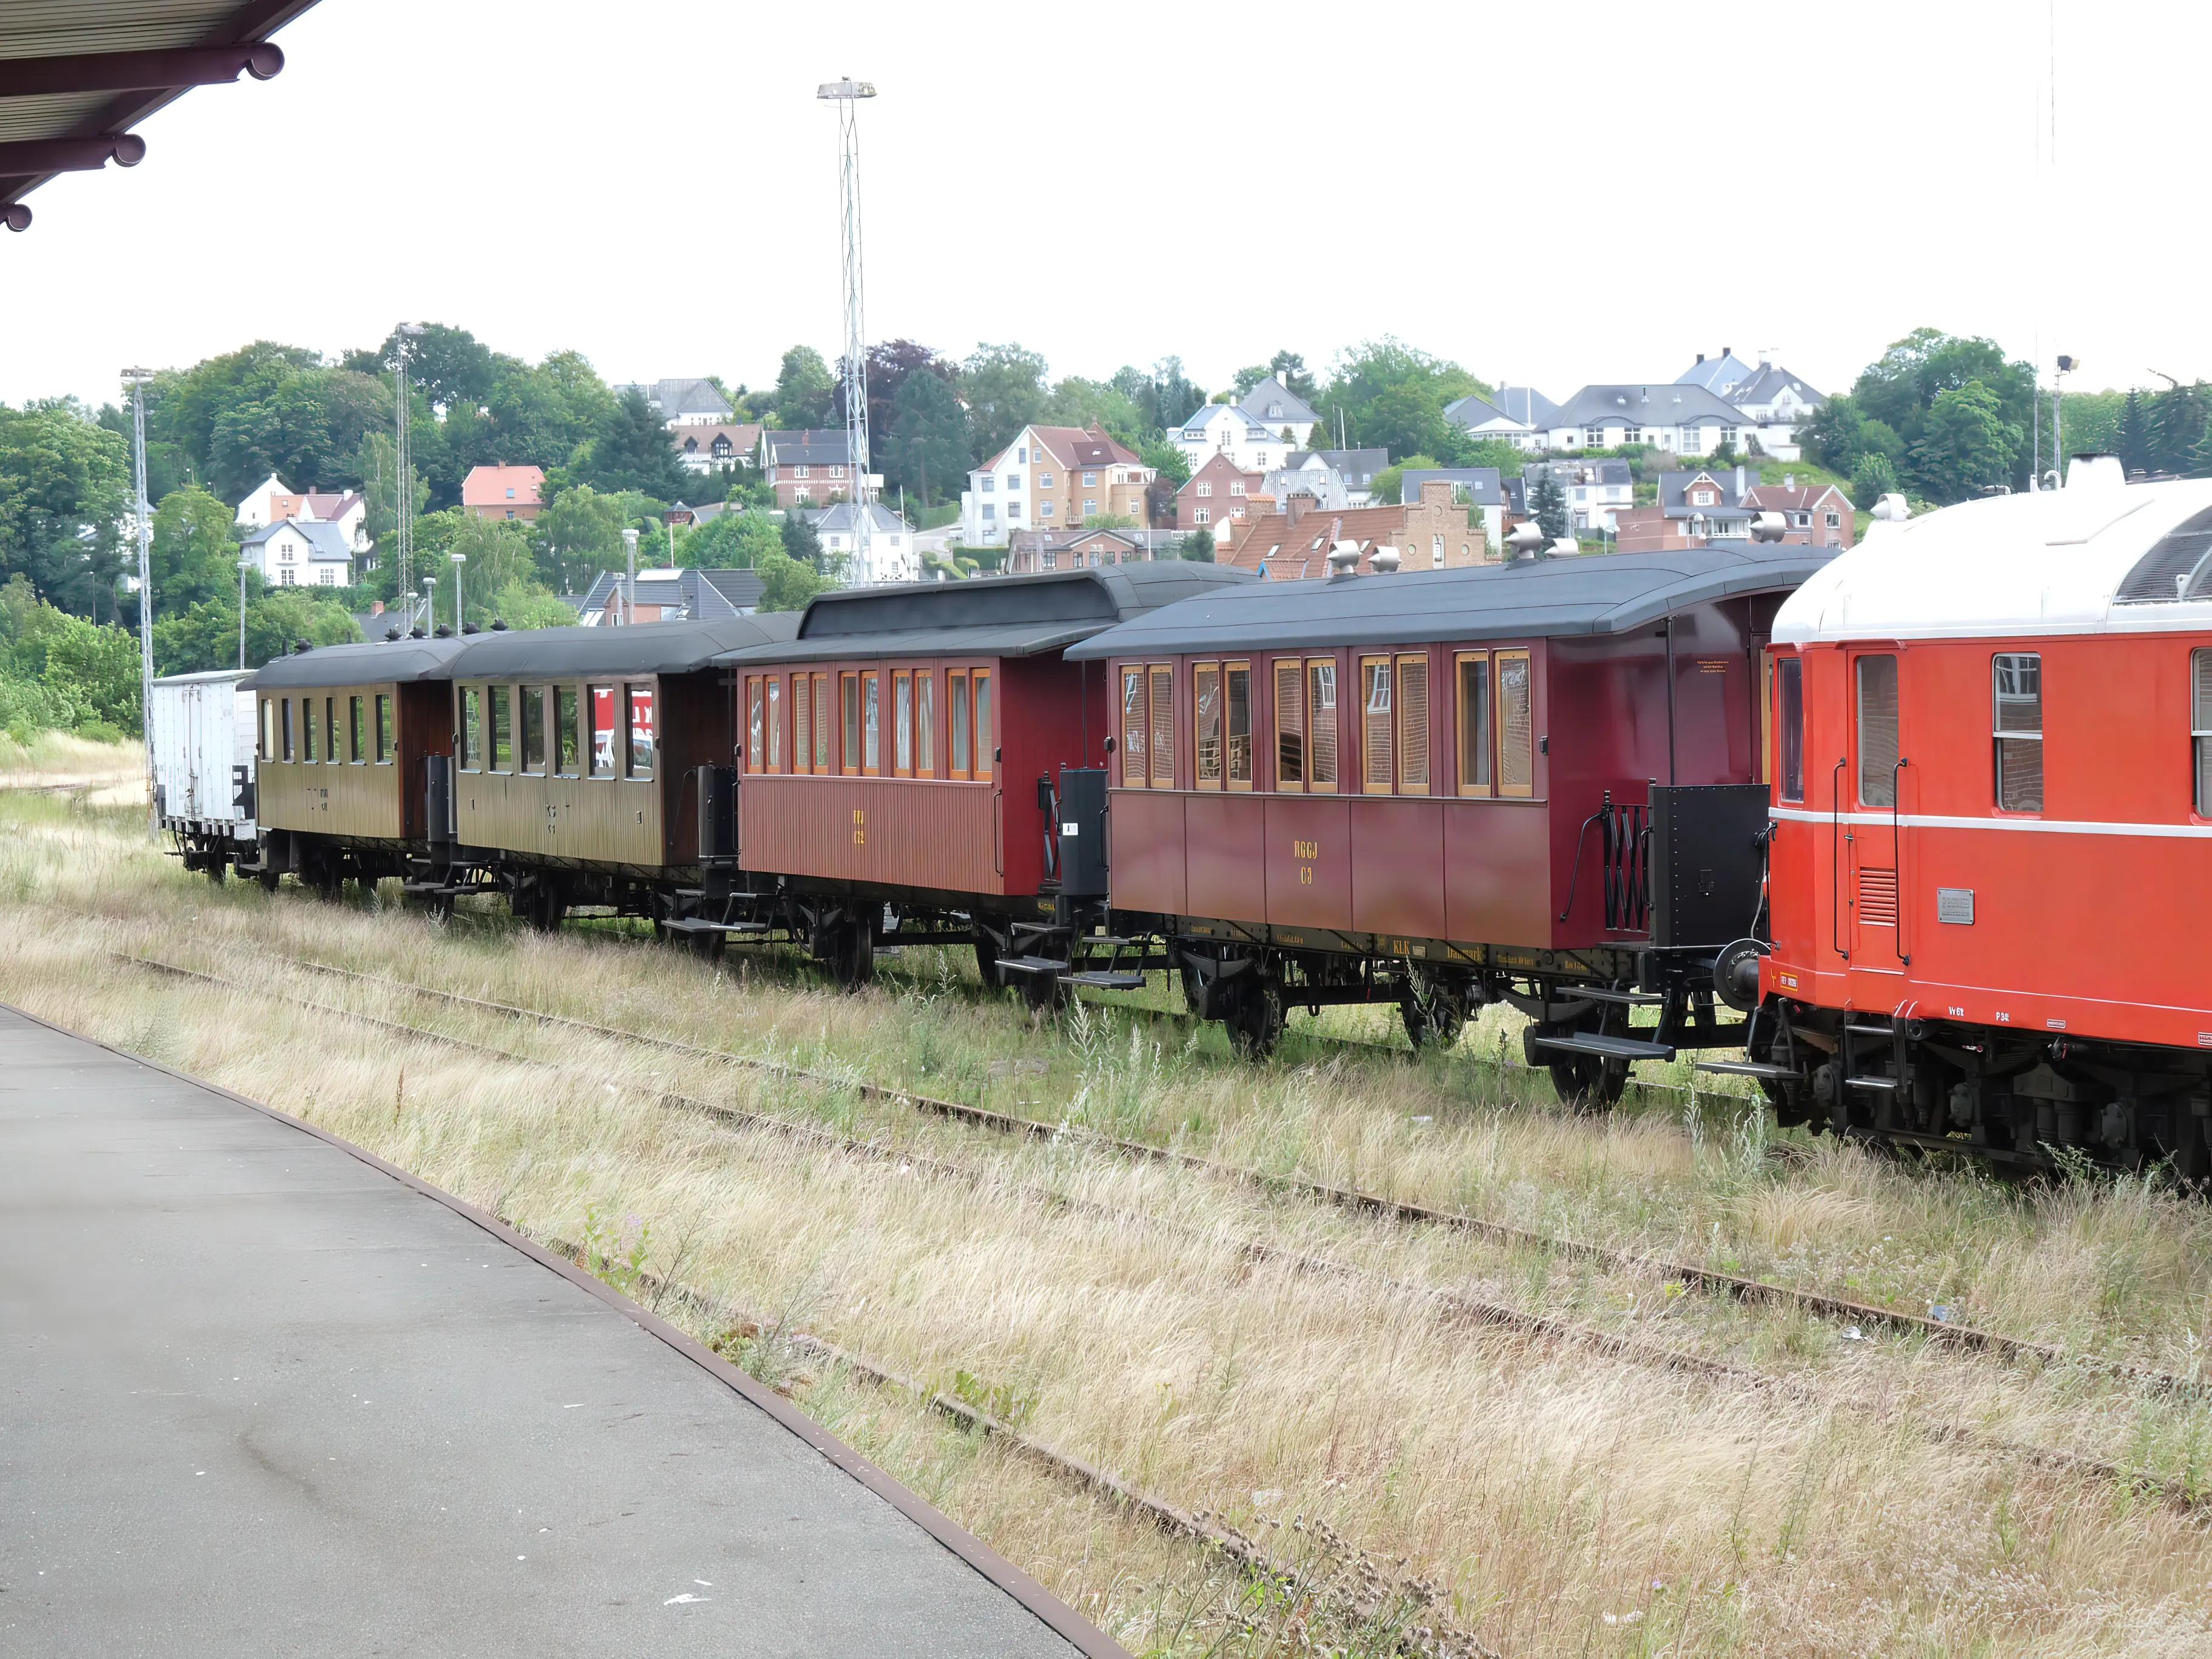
[(1728, 351), (1739, 481), (1701, 356), (1294, 506), (1789, 481)]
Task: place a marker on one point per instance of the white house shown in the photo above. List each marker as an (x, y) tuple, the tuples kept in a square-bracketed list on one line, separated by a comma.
[(1480, 418), (891, 552), (1054, 477), (300, 553), (1355, 471), (1594, 491), (254, 511), (684, 400), (1227, 428), (1680, 418), (272, 501), (1281, 411)]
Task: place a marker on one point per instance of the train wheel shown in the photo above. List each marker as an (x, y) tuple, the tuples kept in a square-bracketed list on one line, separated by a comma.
[(1256, 1023), (268, 878), (327, 877), (1043, 993), (853, 963), (987, 958), (548, 908), (1586, 1082)]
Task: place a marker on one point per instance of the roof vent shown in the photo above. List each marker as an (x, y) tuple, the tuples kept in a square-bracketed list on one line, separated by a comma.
[(1768, 528), (468, 627), (2096, 472), (416, 632), (443, 631), (300, 647), (1527, 538), (1385, 560), (392, 632), (499, 625), (1893, 508), (1343, 562)]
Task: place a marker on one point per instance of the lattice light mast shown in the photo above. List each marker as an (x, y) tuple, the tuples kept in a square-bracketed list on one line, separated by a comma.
[(142, 511), (403, 535), (845, 94)]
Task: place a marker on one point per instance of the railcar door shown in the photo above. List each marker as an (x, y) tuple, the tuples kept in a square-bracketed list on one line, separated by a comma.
[(1871, 848)]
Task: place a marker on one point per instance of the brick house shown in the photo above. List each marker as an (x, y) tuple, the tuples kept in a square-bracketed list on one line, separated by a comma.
[(1712, 504), (1036, 550), (1217, 494), (503, 492), (810, 468), (1293, 543), (703, 446), (1053, 478), (1814, 515)]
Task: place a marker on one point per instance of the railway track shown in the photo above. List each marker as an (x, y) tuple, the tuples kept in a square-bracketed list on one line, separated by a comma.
[(1537, 1327)]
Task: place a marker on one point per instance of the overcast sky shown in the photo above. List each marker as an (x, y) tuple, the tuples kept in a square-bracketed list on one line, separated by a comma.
[(1547, 195)]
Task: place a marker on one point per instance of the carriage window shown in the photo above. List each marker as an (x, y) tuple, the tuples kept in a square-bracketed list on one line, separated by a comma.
[(1320, 725), (1136, 728), (2016, 715), (383, 729), (821, 699), (849, 691), (1206, 722), (775, 723), (356, 731), (1790, 674), (565, 731), (530, 710), (1878, 731), (644, 734), (1290, 725), (1414, 725), (755, 717), (604, 757), (502, 729), (268, 730), (1473, 722), (1163, 727), (331, 753), (1237, 698), (285, 704), (802, 725), (955, 723), (472, 733), (902, 724), (306, 728), (1516, 725), (2200, 727), (1376, 724), (925, 724), (871, 703), (985, 742)]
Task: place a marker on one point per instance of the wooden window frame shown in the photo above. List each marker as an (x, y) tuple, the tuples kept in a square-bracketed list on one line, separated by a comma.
[(925, 722), (331, 749), (1229, 780), (1138, 676), (871, 723), (651, 690), (775, 725), (802, 725), (617, 729), (903, 723), (1200, 672), (306, 730), (468, 732), (356, 731), (1367, 784), (571, 726), (529, 722), (1314, 665), (384, 733), (1160, 764), (284, 719), (959, 725), (981, 687), (1296, 666), (1426, 726), (821, 762), (497, 697), (1498, 659), (1487, 740), (849, 722), (755, 695)]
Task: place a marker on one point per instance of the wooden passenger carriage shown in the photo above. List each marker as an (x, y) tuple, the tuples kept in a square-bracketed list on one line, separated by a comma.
[(1439, 788)]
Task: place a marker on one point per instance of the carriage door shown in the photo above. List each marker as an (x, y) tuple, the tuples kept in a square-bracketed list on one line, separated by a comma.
[(1872, 837)]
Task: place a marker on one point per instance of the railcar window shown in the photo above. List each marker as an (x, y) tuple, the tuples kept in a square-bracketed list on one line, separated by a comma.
[(1877, 678), (1516, 724), (1414, 725), (356, 731), (1789, 677), (755, 718), (802, 725), (902, 724), (268, 729), (1320, 725), (530, 709), (285, 704), (986, 743), (330, 751), (1236, 688), (503, 728), (472, 754), (644, 734), (872, 707), (2016, 715), (1475, 742), (306, 728), (849, 760), (1374, 720), (1290, 725), (1163, 725), (821, 722), (1206, 722), (925, 724), (383, 728), (775, 722), (963, 739), (1136, 728), (604, 757), (2200, 727), (566, 730)]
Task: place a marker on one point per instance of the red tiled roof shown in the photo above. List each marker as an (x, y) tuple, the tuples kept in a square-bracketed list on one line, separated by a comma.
[(487, 486), (1292, 550)]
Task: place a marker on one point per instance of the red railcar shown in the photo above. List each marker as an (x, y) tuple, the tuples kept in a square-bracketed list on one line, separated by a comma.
[(1442, 788), (902, 761), (1992, 831)]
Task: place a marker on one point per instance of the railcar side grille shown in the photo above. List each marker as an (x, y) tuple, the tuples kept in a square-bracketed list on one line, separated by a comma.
[(1877, 898)]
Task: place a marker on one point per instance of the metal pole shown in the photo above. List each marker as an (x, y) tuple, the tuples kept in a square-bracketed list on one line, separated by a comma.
[(460, 612), (843, 93), (403, 534), (135, 378), (241, 611), (629, 592)]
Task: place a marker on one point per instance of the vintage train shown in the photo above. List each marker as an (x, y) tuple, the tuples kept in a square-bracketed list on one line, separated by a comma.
[(1991, 833), (1541, 782)]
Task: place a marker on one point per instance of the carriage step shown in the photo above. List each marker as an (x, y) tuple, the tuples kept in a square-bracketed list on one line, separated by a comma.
[(1870, 1031), (1105, 942), (1610, 1047), (1101, 982), (1747, 1068), (700, 925), (1871, 1082), (1599, 994), (1030, 965)]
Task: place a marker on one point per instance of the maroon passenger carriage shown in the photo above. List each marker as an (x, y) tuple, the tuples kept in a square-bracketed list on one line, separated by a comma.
[(1538, 783)]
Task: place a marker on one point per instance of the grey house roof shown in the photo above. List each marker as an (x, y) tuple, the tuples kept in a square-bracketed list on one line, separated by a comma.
[(1659, 404), (1524, 403), (325, 540), (1358, 466), (1716, 374), (704, 594), (1526, 599), (1481, 483), (1196, 426), (683, 394), (1274, 404), (648, 648), (1733, 481), (387, 662), (811, 446), (1472, 411), (1571, 473), (843, 519), (988, 616), (1764, 381)]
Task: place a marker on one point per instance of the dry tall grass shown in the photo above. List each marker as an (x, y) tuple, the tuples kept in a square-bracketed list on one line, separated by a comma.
[(1566, 1501)]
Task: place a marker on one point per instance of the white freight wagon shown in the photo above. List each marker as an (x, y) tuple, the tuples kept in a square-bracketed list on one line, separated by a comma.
[(202, 729)]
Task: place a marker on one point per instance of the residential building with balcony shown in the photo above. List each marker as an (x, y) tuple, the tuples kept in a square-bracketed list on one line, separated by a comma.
[(1052, 478), (1251, 445), (709, 446)]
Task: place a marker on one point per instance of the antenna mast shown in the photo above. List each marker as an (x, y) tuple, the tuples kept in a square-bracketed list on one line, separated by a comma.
[(845, 93), (403, 532)]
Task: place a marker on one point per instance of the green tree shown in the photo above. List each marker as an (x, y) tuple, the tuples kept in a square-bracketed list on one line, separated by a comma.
[(499, 563), (1290, 368), (738, 541), (1388, 486), (632, 452), (2180, 417), (1198, 546), (800, 542), (1900, 389), (1872, 479), (2133, 441), (787, 584), (805, 391), (577, 535), (205, 636), (64, 490), (1548, 504), (192, 553), (1249, 376), (929, 450), (1005, 386), (1966, 443), (1392, 396), (1167, 459)]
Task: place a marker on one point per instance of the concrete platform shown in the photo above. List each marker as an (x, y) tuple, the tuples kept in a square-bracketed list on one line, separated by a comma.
[(261, 1394)]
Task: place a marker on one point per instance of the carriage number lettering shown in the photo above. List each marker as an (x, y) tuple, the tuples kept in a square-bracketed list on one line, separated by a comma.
[(1958, 1013), (2002, 1018), (859, 827), (1305, 849)]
